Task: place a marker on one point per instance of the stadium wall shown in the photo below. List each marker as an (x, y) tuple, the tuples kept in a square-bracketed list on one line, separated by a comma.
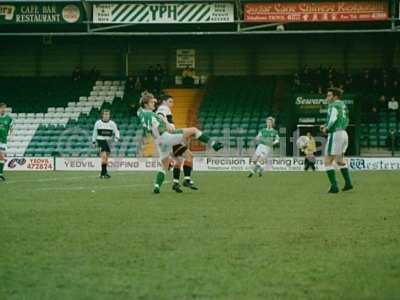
[(200, 164), (33, 56)]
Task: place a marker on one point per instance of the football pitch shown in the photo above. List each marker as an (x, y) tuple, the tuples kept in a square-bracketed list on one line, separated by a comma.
[(70, 235)]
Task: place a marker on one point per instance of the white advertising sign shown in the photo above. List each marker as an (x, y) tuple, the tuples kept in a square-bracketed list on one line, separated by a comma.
[(199, 164), (115, 164), (185, 58), (29, 164), (163, 13)]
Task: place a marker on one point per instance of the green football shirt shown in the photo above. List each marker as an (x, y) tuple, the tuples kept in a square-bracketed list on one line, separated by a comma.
[(6, 124), (268, 136), (338, 116), (150, 120)]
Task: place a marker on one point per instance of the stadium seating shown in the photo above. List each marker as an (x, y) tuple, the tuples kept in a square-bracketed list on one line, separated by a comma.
[(36, 94), (374, 135), (66, 130), (236, 107)]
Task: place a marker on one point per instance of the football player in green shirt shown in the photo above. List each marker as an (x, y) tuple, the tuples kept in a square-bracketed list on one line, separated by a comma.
[(267, 138), (6, 127), (166, 136), (338, 140)]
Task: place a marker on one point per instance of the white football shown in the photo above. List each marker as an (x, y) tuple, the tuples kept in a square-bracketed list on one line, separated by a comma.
[(302, 141)]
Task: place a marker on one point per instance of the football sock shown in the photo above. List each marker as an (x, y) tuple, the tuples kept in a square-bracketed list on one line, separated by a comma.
[(346, 175), (103, 169), (1, 166), (330, 171), (160, 178), (259, 167), (187, 170), (176, 174), (202, 137)]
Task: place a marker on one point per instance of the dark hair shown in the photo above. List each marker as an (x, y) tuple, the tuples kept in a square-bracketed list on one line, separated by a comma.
[(165, 97), (2, 104), (337, 92), (104, 111)]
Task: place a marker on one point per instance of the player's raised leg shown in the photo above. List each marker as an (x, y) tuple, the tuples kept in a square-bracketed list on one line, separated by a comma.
[(193, 132)]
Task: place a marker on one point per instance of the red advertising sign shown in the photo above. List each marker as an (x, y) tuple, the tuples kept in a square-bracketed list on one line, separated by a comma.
[(348, 11)]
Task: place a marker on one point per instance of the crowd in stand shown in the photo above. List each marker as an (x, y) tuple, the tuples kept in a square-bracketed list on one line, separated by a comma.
[(78, 74), (153, 81), (378, 88)]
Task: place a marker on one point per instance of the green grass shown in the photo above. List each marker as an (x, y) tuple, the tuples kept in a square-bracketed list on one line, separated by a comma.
[(72, 236)]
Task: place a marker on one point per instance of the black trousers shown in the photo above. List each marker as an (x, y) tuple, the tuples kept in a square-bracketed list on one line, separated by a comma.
[(309, 164)]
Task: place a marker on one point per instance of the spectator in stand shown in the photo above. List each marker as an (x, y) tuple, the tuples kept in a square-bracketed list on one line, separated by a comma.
[(160, 74), (395, 90), (392, 140), (150, 71), (146, 83), (375, 88), (187, 76), (77, 74), (296, 82), (373, 116), (138, 84), (94, 74), (159, 71), (385, 88), (331, 74), (331, 85), (382, 103), (393, 105), (150, 78), (157, 84), (130, 84)]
